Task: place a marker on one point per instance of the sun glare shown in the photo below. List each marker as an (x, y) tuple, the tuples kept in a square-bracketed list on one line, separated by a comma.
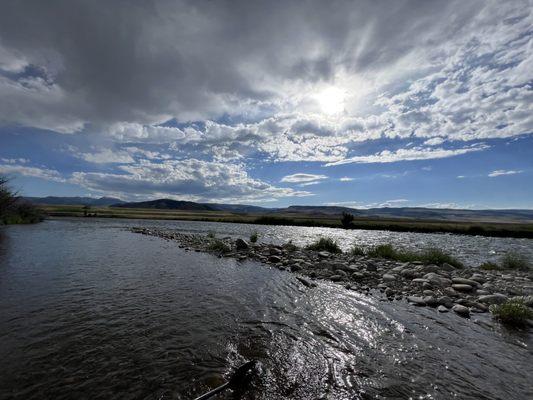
[(331, 100)]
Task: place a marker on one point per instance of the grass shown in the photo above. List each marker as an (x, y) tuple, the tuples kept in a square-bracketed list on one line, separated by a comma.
[(290, 246), (357, 251), (253, 237), (219, 246), (510, 261), (211, 235), (515, 261), (513, 312), (427, 256), (325, 244)]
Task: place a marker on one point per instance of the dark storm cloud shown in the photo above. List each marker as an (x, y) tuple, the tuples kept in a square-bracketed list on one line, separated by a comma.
[(149, 61)]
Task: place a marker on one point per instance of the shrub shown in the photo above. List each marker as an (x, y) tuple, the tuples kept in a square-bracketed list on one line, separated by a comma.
[(253, 237), (211, 235), (513, 312), (346, 220), (383, 251), (219, 246), (357, 250), (325, 244), (439, 257), (514, 261)]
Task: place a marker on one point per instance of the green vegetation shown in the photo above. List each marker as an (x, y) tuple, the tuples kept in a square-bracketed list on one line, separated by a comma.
[(211, 235), (347, 220), (218, 246), (427, 256), (513, 312), (325, 244), (357, 251), (515, 261), (13, 210), (253, 237), (500, 229)]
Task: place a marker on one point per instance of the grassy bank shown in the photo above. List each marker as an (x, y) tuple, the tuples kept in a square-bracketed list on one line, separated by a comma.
[(293, 219)]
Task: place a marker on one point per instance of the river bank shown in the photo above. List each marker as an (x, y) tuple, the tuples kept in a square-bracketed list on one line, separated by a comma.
[(464, 291)]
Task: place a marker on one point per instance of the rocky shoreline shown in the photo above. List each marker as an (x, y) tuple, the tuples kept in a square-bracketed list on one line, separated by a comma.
[(461, 290)]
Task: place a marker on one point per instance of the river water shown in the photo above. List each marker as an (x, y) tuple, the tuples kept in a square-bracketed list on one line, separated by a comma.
[(89, 310)]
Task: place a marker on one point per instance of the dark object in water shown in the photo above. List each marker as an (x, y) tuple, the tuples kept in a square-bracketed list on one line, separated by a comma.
[(239, 379)]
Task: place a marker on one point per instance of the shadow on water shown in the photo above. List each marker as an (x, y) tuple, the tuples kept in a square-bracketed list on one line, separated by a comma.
[(91, 311)]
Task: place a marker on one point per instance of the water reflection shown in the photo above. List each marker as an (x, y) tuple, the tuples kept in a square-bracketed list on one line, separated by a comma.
[(90, 310)]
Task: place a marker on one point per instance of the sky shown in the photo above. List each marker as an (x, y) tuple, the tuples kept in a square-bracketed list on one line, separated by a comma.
[(361, 104)]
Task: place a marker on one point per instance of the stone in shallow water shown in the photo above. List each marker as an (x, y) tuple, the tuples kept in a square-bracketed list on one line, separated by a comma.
[(417, 301), (461, 310)]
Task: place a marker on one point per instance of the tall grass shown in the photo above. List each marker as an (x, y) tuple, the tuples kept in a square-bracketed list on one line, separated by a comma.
[(427, 256), (513, 312), (218, 246), (254, 236), (325, 244), (515, 261)]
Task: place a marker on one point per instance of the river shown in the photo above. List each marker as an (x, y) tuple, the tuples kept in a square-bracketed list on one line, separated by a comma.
[(89, 310)]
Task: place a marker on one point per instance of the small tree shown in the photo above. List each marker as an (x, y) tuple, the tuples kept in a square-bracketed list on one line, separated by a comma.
[(7, 197), (86, 210), (346, 220)]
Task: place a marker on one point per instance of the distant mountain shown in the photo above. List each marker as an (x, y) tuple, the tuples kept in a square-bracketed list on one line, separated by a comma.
[(167, 204), (89, 201), (239, 208)]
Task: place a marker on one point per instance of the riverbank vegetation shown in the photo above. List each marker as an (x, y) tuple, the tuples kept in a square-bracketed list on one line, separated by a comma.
[(426, 256), (325, 244), (513, 312), (13, 210), (510, 261), (498, 229)]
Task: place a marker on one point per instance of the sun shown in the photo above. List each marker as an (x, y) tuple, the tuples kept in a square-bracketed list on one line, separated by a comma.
[(331, 100)]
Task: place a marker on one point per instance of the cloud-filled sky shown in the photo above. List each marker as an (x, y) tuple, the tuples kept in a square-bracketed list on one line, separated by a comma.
[(391, 103)]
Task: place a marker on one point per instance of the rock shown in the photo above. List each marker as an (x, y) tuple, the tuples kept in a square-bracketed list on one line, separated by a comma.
[(241, 244), (371, 267), (496, 298), (389, 277), (408, 273), (445, 301), (419, 280), (431, 301), (275, 251), (442, 309), (274, 259), (478, 278), (335, 278), (437, 280), (461, 310), (463, 281), (460, 287), (357, 276), (306, 283), (428, 293), (389, 292), (447, 267), (341, 272), (417, 301), (449, 291), (296, 267), (324, 254)]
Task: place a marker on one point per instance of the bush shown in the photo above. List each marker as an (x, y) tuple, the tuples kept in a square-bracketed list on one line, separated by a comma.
[(439, 257), (219, 246), (325, 244), (253, 237), (211, 235), (383, 251), (513, 312), (347, 220), (357, 251), (515, 261)]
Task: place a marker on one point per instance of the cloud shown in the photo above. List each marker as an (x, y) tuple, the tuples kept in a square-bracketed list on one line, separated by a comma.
[(303, 178), (416, 153), (501, 172), (35, 172), (107, 156), (190, 179), (346, 179)]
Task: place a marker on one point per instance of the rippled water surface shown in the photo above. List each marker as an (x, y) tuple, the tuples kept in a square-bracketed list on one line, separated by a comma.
[(89, 310)]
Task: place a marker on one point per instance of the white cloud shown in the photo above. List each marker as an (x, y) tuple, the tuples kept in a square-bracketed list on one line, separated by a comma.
[(186, 179), (303, 178), (346, 179), (501, 172), (107, 156), (36, 172), (416, 153)]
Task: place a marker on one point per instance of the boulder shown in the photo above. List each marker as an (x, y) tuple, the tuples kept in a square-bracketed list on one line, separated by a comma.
[(389, 277), (417, 301), (442, 309), (464, 281), (461, 310), (274, 259), (461, 287), (496, 298), (241, 244)]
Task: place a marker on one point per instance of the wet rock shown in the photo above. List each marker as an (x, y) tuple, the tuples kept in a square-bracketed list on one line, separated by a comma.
[(417, 301), (464, 281), (371, 267), (428, 293), (419, 281), (241, 244), (341, 273), (295, 267), (449, 291), (461, 287), (274, 259), (496, 298), (306, 283), (275, 251), (437, 280), (408, 273), (324, 254), (335, 278), (389, 277), (461, 310), (447, 267), (442, 309), (389, 292), (431, 301), (445, 301)]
